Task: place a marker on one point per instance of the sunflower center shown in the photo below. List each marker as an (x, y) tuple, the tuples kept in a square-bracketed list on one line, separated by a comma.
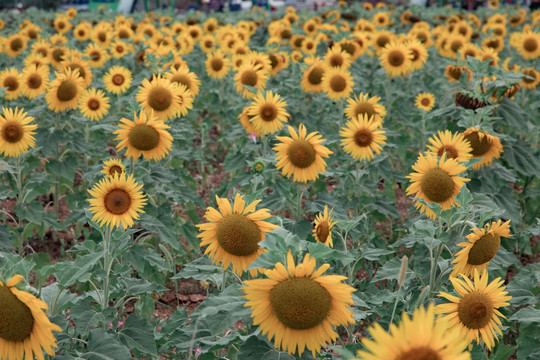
[(16, 44), (123, 34), (365, 108), (273, 61), (95, 55), (382, 41), (338, 83), (455, 72), (216, 64), (160, 98), (249, 77), (348, 48), (143, 137), (479, 147), (11, 83), (437, 185), (425, 102), (16, 319), (182, 79), (531, 74), (451, 152), (336, 60), (323, 230), (93, 104), (300, 303), (34, 81), (58, 55), (415, 54), (301, 154), (315, 76), (32, 34), (396, 58), (67, 90), (115, 169), (12, 132), (484, 249), (530, 45), (475, 310), (102, 37), (419, 353), (118, 201), (363, 138), (455, 46), (238, 235), (118, 79), (268, 112), (119, 49)]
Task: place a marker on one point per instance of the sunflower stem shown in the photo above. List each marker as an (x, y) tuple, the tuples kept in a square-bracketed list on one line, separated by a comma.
[(18, 179), (107, 265), (434, 262), (395, 306), (224, 281), (299, 195)]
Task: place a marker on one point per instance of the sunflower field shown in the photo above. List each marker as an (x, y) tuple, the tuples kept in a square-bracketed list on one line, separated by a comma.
[(356, 182)]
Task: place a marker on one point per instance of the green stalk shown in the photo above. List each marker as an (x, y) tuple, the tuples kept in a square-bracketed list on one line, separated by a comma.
[(299, 195), (433, 272), (107, 265)]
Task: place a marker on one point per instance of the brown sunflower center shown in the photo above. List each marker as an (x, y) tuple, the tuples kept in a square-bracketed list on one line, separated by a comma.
[(16, 319), (123, 34), (143, 137), (301, 154), (43, 52), (437, 185), (300, 303), (455, 72), (365, 108), (425, 102), (338, 83), (273, 61), (323, 230), (12, 132), (93, 104), (216, 64), (479, 146), (95, 56), (363, 138), (118, 79), (11, 83), (315, 76), (382, 41), (182, 79), (102, 36), (249, 77), (484, 249), (119, 49), (268, 112), (238, 235), (348, 48), (475, 310), (16, 44), (456, 45), (58, 55), (415, 54), (396, 58), (419, 353), (530, 45), (336, 60), (117, 201), (115, 169), (34, 81), (451, 152), (67, 91), (160, 98)]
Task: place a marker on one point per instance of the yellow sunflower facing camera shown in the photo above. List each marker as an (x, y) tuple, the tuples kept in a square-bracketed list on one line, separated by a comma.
[(361, 137), (17, 132), (267, 112)]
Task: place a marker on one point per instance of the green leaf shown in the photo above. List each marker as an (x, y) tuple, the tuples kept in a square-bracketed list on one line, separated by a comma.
[(138, 333), (503, 352), (326, 254), (32, 212), (57, 298), (200, 269), (255, 348), (522, 159), (526, 315), (390, 271), (6, 243), (524, 286), (141, 286), (104, 346), (69, 272)]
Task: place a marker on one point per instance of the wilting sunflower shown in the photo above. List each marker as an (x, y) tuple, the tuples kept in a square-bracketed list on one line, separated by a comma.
[(267, 112), (527, 82), (312, 77), (453, 145), (233, 233), (301, 155), (16, 132), (435, 180), (145, 135), (26, 330), (474, 310), (481, 248), (11, 80), (217, 65), (112, 167), (167, 100), (396, 59), (483, 145), (425, 101), (65, 90), (421, 337), (362, 105), (323, 227), (117, 199), (93, 104), (117, 80), (34, 80), (298, 305), (337, 83), (251, 75), (454, 73), (182, 76), (361, 137)]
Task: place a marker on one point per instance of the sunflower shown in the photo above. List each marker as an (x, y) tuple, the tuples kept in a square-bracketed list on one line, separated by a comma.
[(11, 80), (251, 75), (469, 50), (396, 59), (489, 54), (36, 59), (425, 101), (145, 135), (233, 233), (483, 145), (527, 82), (337, 83), (26, 330), (381, 39), (82, 31), (361, 137), (183, 76), (435, 180), (323, 227), (421, 337), (336, 57), (301, 155), (474, 310), (365, 105), (120, 48), (15, 44), (454, 73), (298, 305), (97, 55), (113, 167), (117, 199), (117, 80), (93, 104), (419, 54), (480, 249), (82, 66), (312, 77), (217, 65), (165, 99), (16, 132), (244, 119), (64, 91), (267, 112), (453, 145), (34, 80)]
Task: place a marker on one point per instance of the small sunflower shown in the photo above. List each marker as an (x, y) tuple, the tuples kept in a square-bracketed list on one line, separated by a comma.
[(481, 248), (425, 101), (117, 200), (267, 112), (361, 137), (529, 45), (483, 145), (337, 83), (217, 65), (365, 105), (15, 44), (26, 330), (97, 56), (167, 100), (145, 135), (113, 167), (396, 59), (117, 80), (421, 337), (301, 155), (11, 80), (233, 233), (93, 104), (64, 91), (16, 132), (453, 145), (336, 57), (251, 75), (298, 305), (419, 54), (323, 227), (34, 80), (312, 77), (182, 76), (435, 180), (475, 309)]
